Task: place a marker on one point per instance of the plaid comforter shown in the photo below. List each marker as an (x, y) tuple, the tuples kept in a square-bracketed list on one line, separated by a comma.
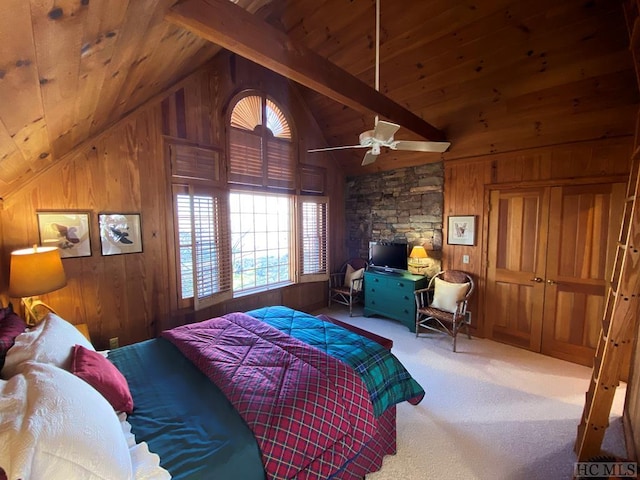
[(309, 412), (387, 380)]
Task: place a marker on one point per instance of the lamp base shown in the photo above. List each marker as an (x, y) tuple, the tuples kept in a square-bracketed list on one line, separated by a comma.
[(31, 315)]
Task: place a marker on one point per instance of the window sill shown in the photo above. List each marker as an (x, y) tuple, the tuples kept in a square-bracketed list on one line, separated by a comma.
[(267, 288)]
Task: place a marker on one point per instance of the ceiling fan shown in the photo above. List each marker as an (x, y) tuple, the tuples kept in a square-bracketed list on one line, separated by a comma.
[(383, 132)]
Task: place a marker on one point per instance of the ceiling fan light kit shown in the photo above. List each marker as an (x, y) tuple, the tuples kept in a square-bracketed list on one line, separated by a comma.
[(383, 132)]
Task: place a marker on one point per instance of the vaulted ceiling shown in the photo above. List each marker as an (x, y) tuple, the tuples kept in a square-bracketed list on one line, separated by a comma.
[(493, 75)]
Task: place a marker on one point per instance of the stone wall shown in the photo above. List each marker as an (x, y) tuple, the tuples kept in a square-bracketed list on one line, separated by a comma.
[(402, 206)]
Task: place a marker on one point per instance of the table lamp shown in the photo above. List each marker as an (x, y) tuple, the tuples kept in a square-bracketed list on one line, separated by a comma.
[(35, 271), (418, 259)]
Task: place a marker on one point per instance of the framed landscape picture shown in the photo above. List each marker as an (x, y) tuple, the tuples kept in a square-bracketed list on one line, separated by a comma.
[(67, 230), (462, 230)]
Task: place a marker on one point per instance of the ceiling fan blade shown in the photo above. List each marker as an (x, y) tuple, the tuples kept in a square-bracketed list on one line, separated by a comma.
[(419, 146), (344, 147), (384, 131), (369, 157)]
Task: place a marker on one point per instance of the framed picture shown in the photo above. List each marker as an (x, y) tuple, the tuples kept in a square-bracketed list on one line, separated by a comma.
[(69, 231), (120, 233), (462, 230)]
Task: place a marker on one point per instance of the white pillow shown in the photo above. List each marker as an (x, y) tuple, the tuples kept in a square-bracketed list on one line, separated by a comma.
[(51, 341), (352, 274), (54, 425), (446, 295)]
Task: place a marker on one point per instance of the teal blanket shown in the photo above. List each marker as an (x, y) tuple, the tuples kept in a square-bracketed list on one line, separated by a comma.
[(185, 418), (387, 380)]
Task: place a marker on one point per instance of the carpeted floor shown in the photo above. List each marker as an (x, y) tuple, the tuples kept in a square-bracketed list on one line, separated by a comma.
[(491, 411)]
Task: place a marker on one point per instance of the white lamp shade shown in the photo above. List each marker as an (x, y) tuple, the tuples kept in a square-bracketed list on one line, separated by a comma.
[(35, 271)]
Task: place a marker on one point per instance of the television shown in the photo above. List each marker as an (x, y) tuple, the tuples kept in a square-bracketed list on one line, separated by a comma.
[(388, 257)]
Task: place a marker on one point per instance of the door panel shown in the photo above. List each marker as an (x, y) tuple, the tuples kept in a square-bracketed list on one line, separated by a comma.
[(517, 241), (578, 268)]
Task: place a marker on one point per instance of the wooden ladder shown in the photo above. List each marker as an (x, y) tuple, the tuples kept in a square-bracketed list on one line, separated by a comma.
[(619, 325)]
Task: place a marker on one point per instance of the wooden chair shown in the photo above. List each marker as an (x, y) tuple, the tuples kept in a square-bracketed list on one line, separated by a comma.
[(442, 306), (348, 291)]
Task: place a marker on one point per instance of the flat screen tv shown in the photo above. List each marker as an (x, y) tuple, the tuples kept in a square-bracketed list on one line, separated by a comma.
[(388, 256)]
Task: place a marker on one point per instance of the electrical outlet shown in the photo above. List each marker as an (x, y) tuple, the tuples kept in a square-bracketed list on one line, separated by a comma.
[(114, 343), (465, 258), (467, 318)]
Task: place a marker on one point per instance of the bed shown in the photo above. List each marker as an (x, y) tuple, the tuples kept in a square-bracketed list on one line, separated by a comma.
[(269, 393)]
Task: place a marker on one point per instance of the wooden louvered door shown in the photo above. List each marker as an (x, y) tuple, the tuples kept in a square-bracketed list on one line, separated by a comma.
[(549, 260)]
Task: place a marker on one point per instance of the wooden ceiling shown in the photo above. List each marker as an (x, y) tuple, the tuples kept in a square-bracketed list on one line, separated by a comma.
[(493, 75)]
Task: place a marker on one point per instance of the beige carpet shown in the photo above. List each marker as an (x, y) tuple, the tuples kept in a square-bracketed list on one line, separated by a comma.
[(491, 411)]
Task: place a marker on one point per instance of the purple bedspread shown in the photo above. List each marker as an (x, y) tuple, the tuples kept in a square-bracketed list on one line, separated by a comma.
[(309, 412)]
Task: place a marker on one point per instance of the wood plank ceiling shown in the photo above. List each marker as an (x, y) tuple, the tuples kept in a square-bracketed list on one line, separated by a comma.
[(494, 75)]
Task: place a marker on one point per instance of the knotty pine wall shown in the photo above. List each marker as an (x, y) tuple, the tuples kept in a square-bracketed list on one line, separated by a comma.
[(125, 170)]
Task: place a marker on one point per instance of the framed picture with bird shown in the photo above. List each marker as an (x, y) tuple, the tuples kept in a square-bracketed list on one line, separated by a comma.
[(120, 233), (67, 230)]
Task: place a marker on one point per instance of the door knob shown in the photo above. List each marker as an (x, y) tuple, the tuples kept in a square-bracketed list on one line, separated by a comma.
[(537, 280), (551, 282)]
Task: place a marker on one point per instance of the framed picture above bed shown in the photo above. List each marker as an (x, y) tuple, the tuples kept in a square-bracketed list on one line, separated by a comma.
[(67, 230), (462, 230), (120, 233)]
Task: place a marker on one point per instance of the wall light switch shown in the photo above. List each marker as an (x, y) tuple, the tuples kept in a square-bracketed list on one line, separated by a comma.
[(465, 258)]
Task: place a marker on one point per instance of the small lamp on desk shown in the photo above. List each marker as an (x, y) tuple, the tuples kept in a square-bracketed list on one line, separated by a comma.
[(35, 271), (418, 260)]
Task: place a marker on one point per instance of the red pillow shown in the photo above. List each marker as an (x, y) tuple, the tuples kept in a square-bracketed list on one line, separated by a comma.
[(102, 375), (11, 325)]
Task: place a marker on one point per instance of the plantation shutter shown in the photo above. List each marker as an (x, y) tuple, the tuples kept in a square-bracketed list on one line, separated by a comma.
[(210, 246), (313, 239), (281, 164), (245, 158), (261, 149)]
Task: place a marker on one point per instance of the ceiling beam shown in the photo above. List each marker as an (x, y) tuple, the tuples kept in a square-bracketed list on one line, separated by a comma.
[(231, 27)]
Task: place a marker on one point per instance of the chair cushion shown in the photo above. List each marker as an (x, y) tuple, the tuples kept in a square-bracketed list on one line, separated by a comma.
[(446, 295), (352, 274)]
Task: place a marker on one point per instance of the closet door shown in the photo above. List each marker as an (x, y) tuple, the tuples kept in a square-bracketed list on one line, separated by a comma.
[(518, 234), (584, 224)]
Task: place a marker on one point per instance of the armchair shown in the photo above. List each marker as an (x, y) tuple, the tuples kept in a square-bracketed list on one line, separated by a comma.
[(442, 306), (346, 286)]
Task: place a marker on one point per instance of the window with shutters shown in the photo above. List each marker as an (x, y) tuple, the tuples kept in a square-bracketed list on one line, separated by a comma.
[(277, 238), (252, 233), (261, 150)]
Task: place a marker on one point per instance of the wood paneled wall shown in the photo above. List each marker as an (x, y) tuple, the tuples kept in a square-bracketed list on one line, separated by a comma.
[(467, 183), (121, 295), (125, 170)]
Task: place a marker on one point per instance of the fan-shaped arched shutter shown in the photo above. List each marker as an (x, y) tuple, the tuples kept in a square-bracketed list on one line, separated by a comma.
[(259, 154)]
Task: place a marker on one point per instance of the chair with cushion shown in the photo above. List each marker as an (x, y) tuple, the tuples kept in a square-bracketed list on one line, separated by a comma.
[(345, 286), (442, 306)]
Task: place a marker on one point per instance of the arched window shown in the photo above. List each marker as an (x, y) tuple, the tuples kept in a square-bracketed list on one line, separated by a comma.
[(261, 148)]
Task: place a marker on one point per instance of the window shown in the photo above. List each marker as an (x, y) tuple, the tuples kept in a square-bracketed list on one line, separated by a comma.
[(261, 240), (253, 232), (261, 151)]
